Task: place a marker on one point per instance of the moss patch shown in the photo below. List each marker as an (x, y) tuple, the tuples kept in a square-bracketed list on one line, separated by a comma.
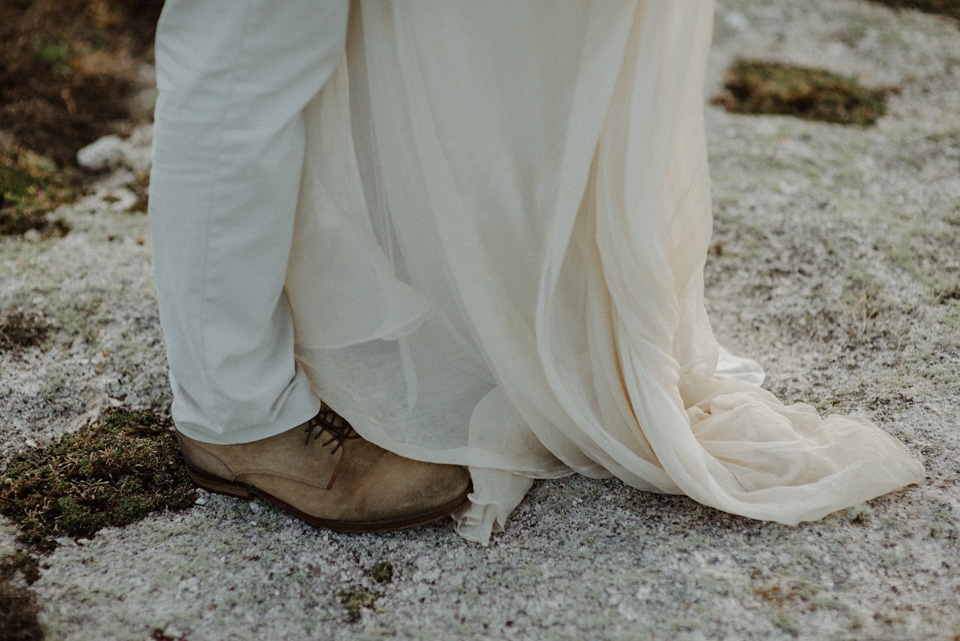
[(382, 572), (355, 601), (30, 187), (20, 331), (19, 620), (111, 473), (757, 87)]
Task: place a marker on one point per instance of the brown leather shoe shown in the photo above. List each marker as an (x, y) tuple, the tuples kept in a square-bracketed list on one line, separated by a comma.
[(326, 474)]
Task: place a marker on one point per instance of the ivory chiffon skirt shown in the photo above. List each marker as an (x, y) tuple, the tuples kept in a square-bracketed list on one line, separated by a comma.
[(498, 262)]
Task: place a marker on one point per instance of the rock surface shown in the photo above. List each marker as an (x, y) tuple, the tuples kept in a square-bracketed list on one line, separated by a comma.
[(836, 263), (112, 151)]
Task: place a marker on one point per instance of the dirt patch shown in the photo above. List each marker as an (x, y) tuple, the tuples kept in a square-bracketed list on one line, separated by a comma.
[(111, 473), (68, 67), (159, 635), (949, 8), (21, 331), (19, 612), (758, 87), (141, 187), (22, 563)]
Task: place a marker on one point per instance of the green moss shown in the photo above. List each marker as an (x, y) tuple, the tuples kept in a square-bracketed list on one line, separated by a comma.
[(15, 181), (757, 87), (111, 473), (55, 55), (382, 572), (355, 601), (30, 187)]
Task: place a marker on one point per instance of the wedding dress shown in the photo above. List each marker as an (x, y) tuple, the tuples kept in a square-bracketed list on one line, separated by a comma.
[(498, 262)]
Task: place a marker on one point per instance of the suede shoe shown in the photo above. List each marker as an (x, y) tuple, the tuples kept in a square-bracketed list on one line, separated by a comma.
[(326, 474)]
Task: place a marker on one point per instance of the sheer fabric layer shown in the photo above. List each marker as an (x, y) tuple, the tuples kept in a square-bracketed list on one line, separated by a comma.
[(504, 216)]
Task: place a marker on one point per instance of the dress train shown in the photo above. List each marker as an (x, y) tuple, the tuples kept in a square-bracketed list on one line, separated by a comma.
[(498, 262)]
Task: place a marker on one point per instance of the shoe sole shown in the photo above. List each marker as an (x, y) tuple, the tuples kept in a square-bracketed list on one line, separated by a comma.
[(246, 492)]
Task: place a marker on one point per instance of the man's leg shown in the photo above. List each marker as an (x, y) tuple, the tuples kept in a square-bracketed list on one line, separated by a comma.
[(234, 76)]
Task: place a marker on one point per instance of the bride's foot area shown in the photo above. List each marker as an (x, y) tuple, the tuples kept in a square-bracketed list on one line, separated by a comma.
[(326, 474)]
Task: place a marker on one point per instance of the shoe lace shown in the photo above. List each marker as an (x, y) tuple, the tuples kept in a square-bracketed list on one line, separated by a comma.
[(340, 431)]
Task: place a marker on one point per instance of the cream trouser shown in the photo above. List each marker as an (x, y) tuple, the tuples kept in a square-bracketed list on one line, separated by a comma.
[(234, 77)]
